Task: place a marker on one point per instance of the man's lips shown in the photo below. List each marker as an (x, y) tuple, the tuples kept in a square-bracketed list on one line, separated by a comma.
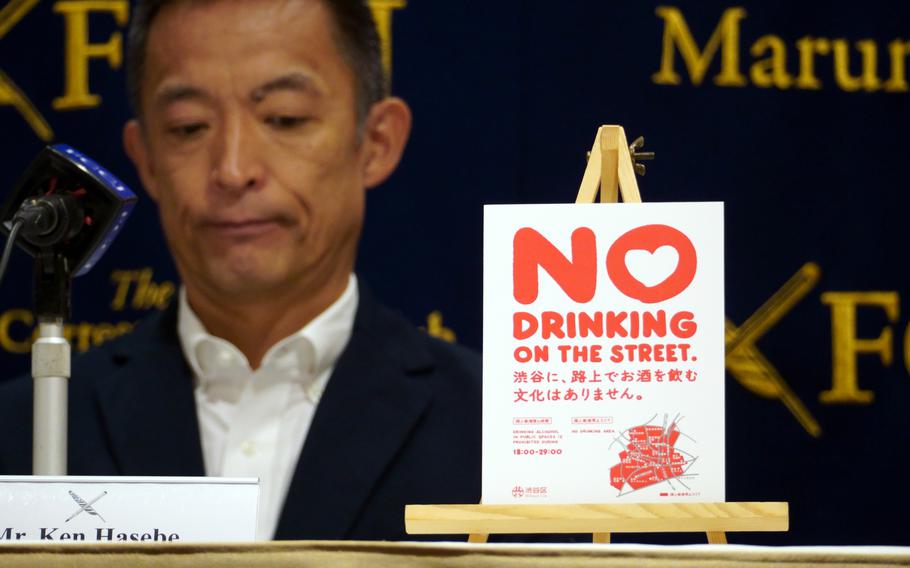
[(243, 228)]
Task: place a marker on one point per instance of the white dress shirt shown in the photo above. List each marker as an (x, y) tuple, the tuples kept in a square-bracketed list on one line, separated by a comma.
[(254, 423)]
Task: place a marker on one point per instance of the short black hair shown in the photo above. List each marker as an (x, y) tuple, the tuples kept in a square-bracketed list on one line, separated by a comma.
[(355, 35)]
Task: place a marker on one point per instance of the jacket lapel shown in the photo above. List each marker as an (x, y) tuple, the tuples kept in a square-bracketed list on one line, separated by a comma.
[(369, 407), (148, 405)]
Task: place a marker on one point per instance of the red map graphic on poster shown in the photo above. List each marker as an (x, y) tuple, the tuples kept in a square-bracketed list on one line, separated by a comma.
[(650, 457)]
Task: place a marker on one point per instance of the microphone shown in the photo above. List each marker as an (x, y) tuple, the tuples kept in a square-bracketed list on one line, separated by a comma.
[(68, 205), (49, 219), (67, 209)]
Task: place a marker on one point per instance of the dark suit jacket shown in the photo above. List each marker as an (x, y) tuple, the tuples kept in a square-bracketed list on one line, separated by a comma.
[(398, 423)]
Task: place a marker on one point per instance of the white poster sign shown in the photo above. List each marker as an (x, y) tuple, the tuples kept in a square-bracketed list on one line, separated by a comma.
[(128, 509), (603, 353)]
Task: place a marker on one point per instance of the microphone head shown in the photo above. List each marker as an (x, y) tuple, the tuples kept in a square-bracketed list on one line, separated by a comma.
[(103, 200), (49, 219)]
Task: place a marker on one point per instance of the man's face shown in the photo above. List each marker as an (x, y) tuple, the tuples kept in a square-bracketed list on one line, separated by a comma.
[(249, 145)]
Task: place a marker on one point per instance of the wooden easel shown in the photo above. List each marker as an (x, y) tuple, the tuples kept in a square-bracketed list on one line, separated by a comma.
[(611, 170), (610, 166)]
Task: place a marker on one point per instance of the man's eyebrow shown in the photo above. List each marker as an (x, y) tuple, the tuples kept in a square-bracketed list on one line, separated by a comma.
[(291, 82), (175, 93)]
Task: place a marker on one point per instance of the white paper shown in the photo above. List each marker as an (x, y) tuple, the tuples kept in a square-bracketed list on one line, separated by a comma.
[(645, 422), (127, 509)]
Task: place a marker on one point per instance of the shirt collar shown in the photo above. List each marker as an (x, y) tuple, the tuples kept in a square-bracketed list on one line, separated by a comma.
[(304, 355)]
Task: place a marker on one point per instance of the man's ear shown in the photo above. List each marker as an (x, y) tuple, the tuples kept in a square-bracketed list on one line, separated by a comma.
[(385, 135), (135, 146)]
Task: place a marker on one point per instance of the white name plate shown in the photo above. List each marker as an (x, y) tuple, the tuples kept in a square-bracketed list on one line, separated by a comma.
[(128, 509)]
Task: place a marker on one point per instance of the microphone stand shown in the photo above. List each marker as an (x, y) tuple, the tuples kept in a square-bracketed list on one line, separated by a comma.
[(51, 364), (49, 207)]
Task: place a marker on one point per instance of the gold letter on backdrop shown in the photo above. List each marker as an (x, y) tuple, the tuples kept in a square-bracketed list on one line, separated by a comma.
[(898, 50), (846, 346), (770, 72), (79, 51), (7, 342), (382, 13), (808, 47), (725, 36), (435, 327), (750, 367), (147, 294), (868, 80), (10, 94)]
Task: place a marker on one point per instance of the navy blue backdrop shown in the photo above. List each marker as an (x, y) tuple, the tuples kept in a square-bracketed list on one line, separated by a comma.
[(794, 114)]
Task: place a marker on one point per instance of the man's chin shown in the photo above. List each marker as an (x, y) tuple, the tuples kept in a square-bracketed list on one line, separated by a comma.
[(248, 282)]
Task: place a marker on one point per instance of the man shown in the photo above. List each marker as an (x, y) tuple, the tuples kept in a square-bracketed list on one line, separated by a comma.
[(260, 124)]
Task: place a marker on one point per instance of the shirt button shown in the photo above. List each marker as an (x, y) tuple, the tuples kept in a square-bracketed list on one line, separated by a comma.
[(248, 448)]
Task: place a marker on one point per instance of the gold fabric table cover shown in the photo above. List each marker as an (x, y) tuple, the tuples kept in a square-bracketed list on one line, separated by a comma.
[(346, 554)]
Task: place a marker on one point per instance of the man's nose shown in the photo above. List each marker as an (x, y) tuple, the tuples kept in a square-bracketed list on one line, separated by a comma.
[(237, 164)]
